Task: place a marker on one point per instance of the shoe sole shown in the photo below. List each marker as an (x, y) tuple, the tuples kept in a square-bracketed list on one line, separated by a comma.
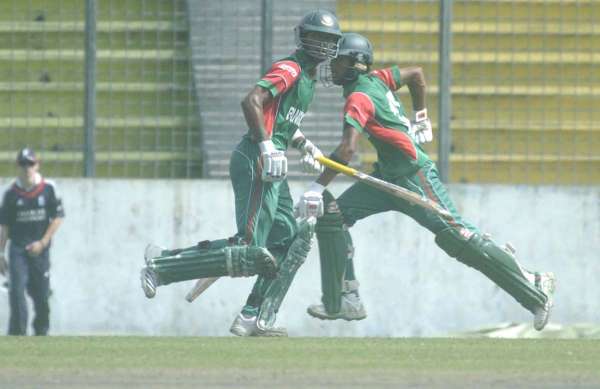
[(239, 333), (270, 334), (147, 287), (340, 317), (242, 332), (548, 311), (549, 303)]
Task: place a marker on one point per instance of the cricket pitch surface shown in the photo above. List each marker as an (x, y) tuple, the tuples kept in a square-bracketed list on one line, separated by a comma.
[(229, 362)]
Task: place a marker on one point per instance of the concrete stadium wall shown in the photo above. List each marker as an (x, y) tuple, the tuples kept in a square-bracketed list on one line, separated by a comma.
[(409, 286)]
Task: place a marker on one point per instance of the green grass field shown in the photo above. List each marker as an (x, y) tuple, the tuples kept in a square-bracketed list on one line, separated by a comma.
[(159, 362)]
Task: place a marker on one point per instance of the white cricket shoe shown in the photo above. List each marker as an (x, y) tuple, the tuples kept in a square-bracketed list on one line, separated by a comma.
[(351, 309), (247, 326), (152, 251), (546, 282), (149, 281)]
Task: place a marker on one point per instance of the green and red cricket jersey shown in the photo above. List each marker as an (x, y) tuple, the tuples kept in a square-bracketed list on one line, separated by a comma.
[(292, 89), (374, 110)]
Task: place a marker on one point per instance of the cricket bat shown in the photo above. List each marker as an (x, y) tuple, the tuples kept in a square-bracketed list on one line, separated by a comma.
[(387, 187), (201, 285)]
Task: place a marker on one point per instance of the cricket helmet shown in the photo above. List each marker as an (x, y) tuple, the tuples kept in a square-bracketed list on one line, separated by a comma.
[(318, 34), (360, 51)]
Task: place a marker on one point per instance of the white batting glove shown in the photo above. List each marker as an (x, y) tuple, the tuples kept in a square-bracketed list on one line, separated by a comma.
[(311, 202), (309, 154), (420, 127), (274, 162)]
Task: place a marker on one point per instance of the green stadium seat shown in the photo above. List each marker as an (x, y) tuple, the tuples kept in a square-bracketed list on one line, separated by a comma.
[(146, 123)]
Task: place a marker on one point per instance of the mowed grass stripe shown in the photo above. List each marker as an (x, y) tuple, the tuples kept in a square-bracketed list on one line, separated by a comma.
[(387, 355)]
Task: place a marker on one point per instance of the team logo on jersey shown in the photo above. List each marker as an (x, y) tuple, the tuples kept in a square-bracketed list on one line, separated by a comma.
[(31, 215), (327, 20), (288, 68), (295, 116), (19, 202), (41, 201)]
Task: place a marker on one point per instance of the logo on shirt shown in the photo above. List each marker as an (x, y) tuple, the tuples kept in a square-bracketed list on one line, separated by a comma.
[(295, 116), (41, 201), (31, 215), (288, 68), (19, 202)]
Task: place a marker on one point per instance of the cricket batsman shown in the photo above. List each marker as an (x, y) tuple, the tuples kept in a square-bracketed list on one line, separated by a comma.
[(269, 241), (373, 110)]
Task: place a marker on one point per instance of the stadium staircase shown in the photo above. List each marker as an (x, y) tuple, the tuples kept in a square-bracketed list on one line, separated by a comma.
[(143, 86), (525, 82)]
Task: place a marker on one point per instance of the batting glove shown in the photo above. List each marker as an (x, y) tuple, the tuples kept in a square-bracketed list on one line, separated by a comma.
[(420, 127), (274, 162), (309, 154), (311, 202)]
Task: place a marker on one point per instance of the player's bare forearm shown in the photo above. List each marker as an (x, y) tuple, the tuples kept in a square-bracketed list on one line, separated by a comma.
[(51, 230), (252, 106), (414, 79)]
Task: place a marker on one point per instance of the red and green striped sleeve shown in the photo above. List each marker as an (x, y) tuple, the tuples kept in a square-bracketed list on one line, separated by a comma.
[(390, 76), (358, 110), (281, 77)]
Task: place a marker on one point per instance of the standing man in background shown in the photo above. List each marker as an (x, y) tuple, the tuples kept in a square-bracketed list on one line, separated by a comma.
[(30, 214)]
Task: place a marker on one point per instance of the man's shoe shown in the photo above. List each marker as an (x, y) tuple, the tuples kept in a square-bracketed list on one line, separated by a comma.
[(149, 281), (545, 282), (352, 309), (275, 332), (152, 251), (244, 325)]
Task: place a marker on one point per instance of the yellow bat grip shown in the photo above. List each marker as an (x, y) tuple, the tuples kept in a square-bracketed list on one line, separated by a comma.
[(338, 167)]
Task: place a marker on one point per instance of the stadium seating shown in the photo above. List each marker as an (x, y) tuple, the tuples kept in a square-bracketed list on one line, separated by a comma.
[(145, 122), (524, 89)]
